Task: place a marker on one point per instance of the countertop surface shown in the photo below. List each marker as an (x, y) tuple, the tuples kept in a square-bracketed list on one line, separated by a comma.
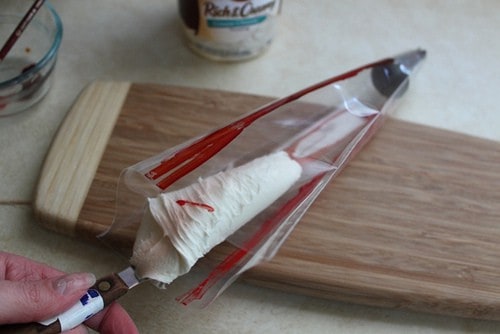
[(141, 41)]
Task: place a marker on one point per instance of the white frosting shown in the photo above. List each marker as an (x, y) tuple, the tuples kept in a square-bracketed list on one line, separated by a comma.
[(181, 226)]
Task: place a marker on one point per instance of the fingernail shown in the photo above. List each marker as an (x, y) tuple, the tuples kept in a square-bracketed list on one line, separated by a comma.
[(71, 283)]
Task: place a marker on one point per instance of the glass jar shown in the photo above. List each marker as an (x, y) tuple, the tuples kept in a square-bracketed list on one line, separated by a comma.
[(229, 30)]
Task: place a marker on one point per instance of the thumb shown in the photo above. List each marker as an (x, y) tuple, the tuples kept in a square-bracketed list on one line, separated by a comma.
[(27, 301)]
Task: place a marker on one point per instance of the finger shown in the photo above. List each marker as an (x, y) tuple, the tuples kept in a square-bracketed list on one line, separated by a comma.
[(18, 268), (113, 319), (27, 301)]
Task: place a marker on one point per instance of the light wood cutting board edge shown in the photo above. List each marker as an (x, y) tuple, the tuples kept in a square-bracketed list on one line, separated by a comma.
[(75, 154)]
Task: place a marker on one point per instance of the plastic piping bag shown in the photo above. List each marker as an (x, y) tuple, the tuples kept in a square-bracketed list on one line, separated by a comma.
[(321, 127)]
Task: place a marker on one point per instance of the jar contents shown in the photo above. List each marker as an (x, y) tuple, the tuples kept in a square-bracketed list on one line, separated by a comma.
[(229, 30)]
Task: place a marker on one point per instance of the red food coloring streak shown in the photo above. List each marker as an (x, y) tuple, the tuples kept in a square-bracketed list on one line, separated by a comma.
[(193, 156), (182, 202)]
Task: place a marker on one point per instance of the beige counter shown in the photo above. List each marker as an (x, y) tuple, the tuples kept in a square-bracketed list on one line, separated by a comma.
[(141, 41)]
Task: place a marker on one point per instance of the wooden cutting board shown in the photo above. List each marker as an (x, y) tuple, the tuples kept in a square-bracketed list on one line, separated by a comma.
[(413, 222)]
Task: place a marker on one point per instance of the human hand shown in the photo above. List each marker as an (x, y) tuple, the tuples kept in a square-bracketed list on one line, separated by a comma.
[(33, 292)]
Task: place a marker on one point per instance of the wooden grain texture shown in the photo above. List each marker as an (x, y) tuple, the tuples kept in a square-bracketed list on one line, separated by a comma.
[(75, 155), (412, 222)]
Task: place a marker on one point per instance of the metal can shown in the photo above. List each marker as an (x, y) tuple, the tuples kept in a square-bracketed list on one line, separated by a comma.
[(229, 30)]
